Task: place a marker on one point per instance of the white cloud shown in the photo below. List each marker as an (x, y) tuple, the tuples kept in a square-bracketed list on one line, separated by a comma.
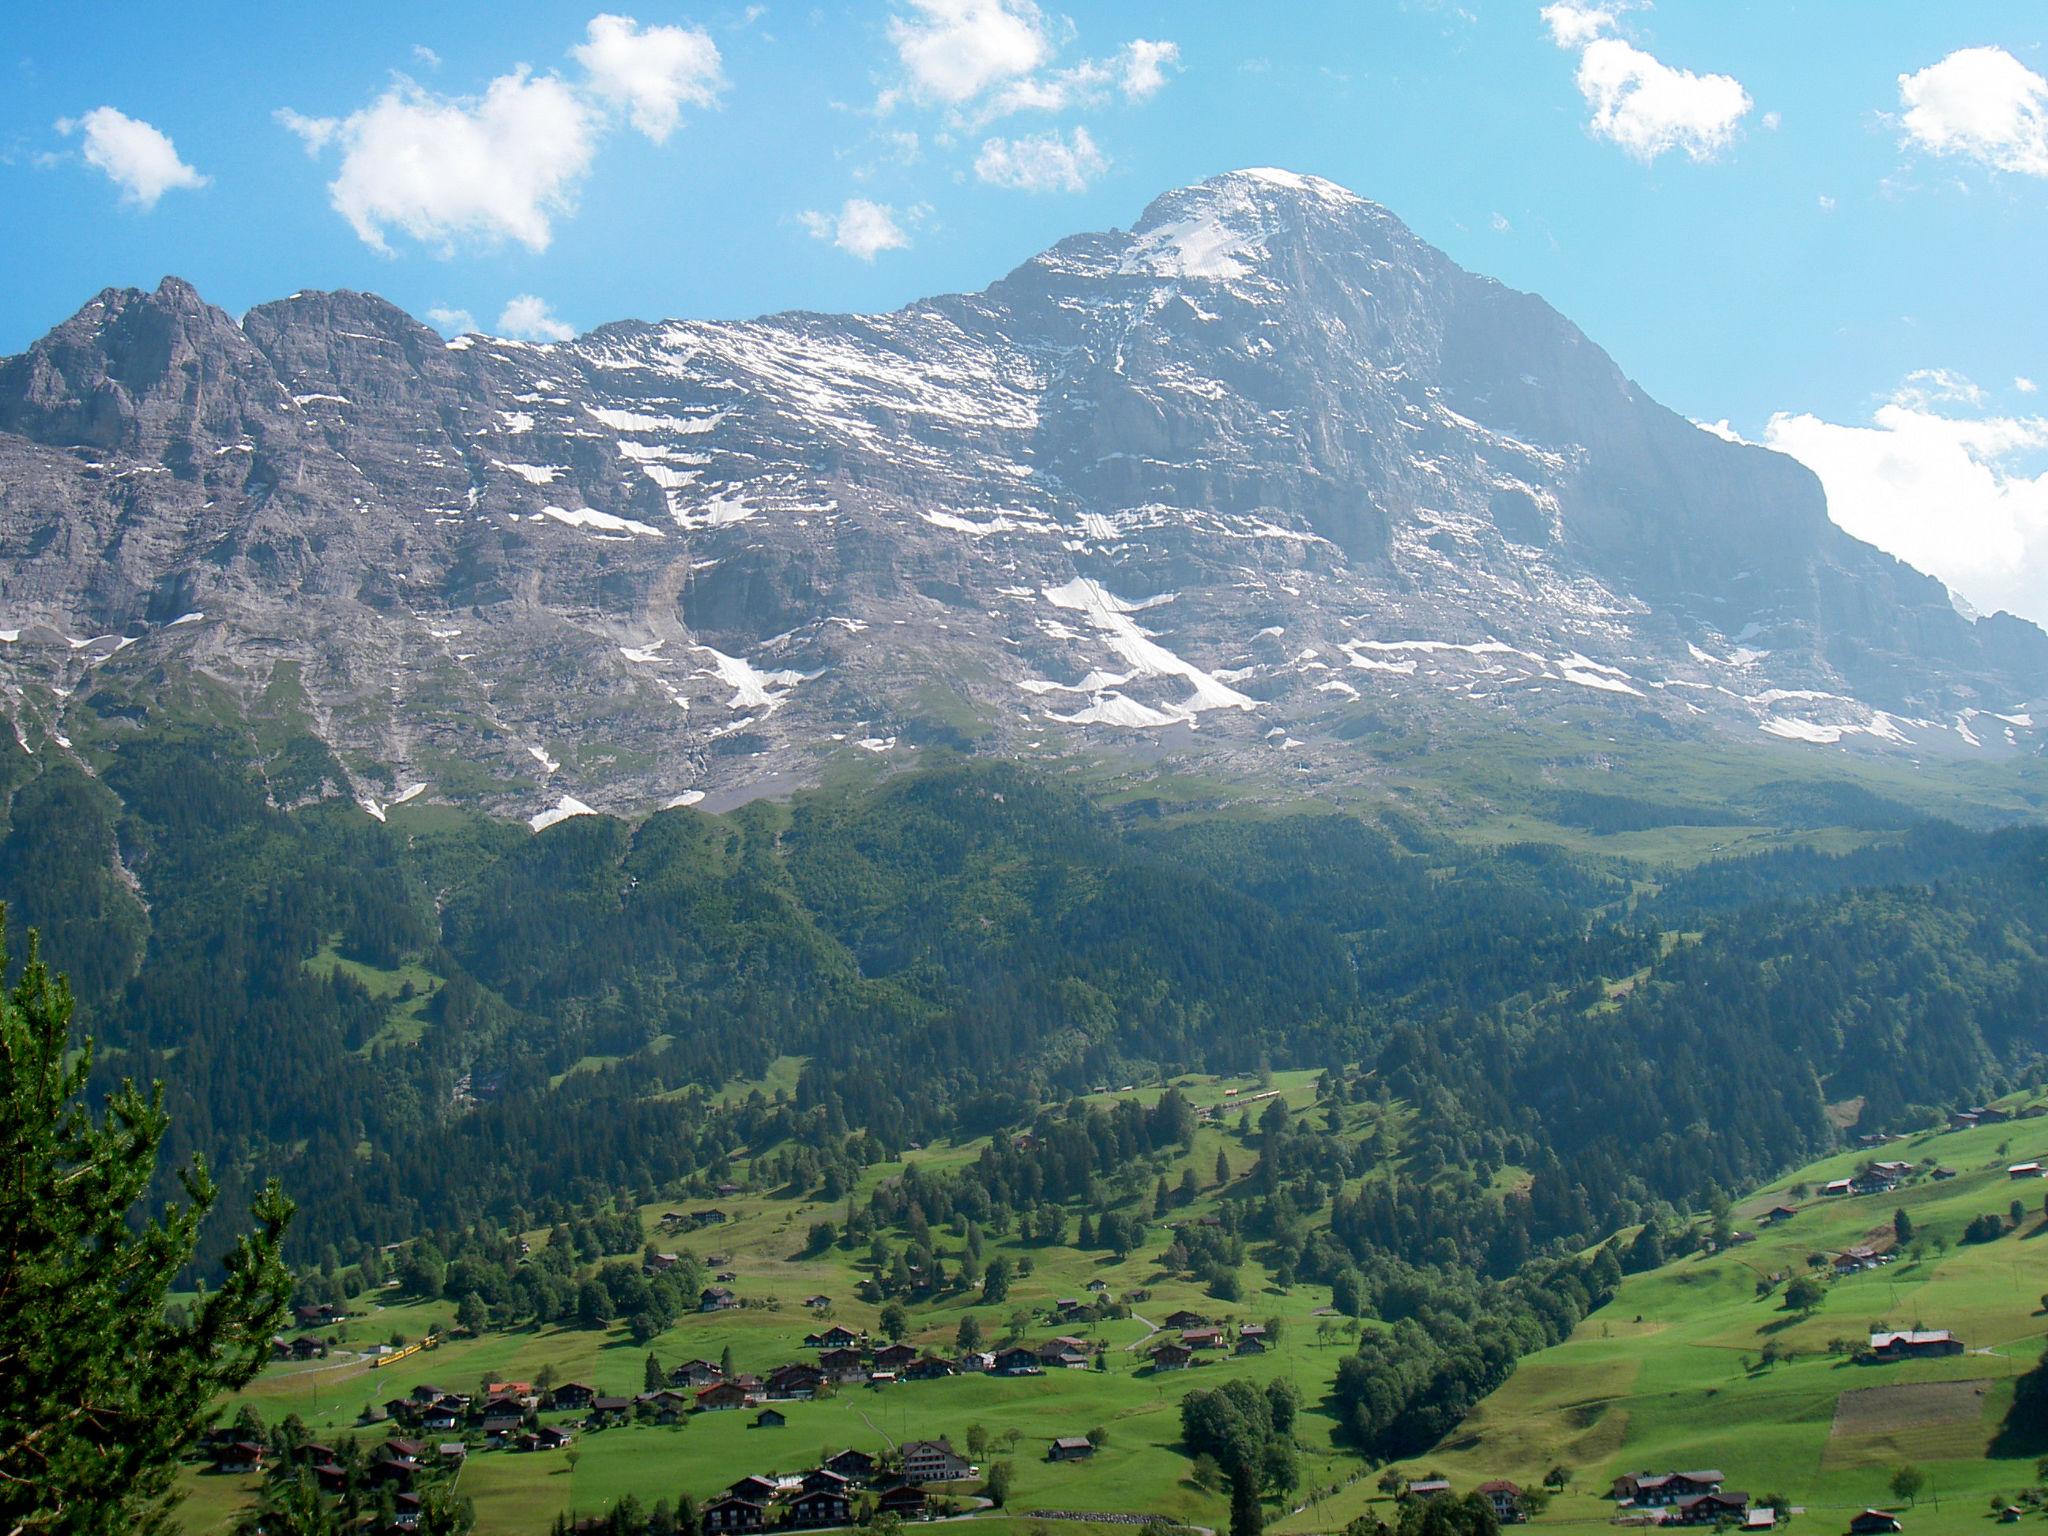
[(2025, 385), (860, 228), (450, 169), (1502, 224), (1827, 204), (314, 132), (527, 318), (139, 159), (1639, 102), (426, 55), (1575, 25), (1927, 387), (451, 322), (1144, 67), (1962, 497), (651, 72), (953, 50), (1647, 107), (1981, 103), (453, 170), (1137, 72), (1044, 162)]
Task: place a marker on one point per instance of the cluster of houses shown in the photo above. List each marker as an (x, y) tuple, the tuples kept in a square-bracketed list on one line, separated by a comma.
[(1875, 1178), (827, 1494), (1198, 1334), (503, 1418), (1687, 1498), (1981, 1114), (307, 1317)]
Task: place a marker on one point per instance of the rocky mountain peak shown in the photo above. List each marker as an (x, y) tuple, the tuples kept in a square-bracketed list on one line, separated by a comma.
[(135, 372), (1233, 482)]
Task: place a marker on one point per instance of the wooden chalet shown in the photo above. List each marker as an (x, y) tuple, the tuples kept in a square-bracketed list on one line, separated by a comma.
[(854, 1466), (794, 1381), (905, 1503), (819, 1508), (732, 1514), (1506, 1500), (1172, 1357), (720, 1396), (1914, 1344), (1070, 1448), (1709, 1508), (1654, 1490)]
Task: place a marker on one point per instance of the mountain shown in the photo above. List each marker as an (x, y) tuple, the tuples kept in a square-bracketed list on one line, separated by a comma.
[(1238, 483)]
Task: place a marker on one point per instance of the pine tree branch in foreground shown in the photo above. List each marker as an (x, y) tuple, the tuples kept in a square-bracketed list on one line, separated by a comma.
[(106, 1389)]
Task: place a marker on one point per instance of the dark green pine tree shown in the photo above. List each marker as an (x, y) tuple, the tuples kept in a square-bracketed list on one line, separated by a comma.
[(105, 1391), (653, 1378), (1246, 1518)]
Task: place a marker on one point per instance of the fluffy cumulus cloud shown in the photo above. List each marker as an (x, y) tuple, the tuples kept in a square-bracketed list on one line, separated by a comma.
[(980, 61), (446, 170), (651, 73), (503, 166), (137, 158), (527, 318), (450, 321), (860, 228), (953, 50), (1144, 66), (1931, 479), (1638, 102), (1042, 162), (1980, 103)]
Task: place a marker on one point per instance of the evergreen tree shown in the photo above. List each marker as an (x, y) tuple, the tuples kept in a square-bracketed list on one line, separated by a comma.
[(652, 1377), (1222, 1168), (1246, 1518), (104, 1390)]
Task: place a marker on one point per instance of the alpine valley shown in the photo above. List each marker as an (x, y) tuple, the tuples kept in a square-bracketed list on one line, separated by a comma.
[(1234, 842)]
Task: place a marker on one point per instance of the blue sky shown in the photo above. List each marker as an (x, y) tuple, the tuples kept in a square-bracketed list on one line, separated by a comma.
[(1819, 222)]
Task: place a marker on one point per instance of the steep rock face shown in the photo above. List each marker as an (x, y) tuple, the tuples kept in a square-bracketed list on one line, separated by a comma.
[(1261, 464)]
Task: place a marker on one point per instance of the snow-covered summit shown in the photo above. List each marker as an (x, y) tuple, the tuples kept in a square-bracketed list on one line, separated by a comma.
[(1261, 468)]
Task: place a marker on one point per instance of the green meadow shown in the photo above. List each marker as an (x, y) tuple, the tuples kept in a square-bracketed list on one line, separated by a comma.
[(1672, 1373), (1139, 1470)]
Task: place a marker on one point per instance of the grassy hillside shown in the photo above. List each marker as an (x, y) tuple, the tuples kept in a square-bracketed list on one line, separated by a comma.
[(1671, 1374), (1141, 1469)]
